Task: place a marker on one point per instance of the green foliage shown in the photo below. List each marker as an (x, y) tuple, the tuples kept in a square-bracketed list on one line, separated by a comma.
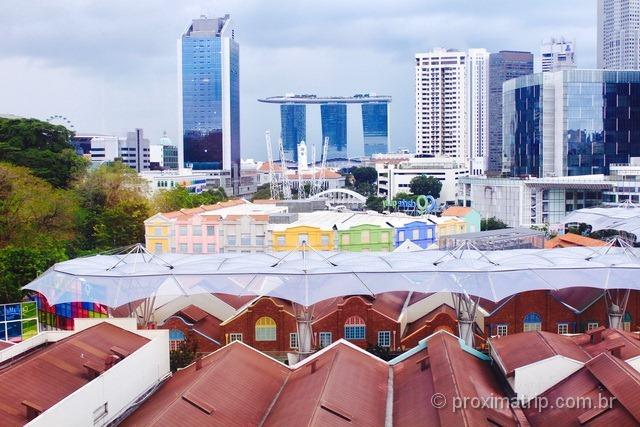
[(180, 198), (405, 196), (20, 265), (31, 209), (365, 174), (492, 223), (426, 186), (375, 203), (42, 147), (263, 192), (185, 354)]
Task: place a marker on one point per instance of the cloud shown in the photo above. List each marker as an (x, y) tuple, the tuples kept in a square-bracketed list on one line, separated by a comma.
[(111, 66)]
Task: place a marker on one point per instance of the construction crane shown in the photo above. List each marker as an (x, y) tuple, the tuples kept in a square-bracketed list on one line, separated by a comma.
[(319, 182), (286, 187), (313, 190), (273, 182)]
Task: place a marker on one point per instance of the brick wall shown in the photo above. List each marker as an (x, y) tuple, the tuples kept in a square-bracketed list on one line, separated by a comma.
[(204, 345)]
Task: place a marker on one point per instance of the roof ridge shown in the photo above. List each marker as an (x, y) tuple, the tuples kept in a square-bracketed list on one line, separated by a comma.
[(324, 386)]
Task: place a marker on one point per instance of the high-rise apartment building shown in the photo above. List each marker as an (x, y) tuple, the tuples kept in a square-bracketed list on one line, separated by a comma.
[(504, 65), (208, 57), (441, 121), (557, 54), (572, 122), (478, 109), (619, 34)]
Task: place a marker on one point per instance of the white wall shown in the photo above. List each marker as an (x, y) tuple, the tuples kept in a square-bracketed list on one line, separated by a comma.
[(533, 379), (119, 387), (41, 338)]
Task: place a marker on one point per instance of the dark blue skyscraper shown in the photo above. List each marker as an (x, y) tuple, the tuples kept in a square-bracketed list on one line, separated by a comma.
[(573, 122), (503, 66), (375, 127), (293, 121), (210, 87), (334, 127)]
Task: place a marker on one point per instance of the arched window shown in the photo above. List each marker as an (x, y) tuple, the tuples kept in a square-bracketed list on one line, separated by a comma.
[(626, 322), (265, 329), (532, 322), (176, 336), (355, 328)]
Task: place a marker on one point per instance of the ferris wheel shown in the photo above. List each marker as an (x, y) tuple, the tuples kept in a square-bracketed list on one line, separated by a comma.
[(59, 120)]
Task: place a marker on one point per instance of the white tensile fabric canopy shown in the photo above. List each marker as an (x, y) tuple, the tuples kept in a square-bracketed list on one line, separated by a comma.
[(307, 276), (625, 217)]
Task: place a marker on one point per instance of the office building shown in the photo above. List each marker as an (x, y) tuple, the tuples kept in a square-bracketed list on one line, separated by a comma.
[(333, 117), (441, 121), (573, 122), (208, 56), (619, 34), (293, 125), (163, 155), (504, 65), (133, 151), (557, 54), (478, 109)]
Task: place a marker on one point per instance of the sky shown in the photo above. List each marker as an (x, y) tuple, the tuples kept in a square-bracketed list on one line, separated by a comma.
[(111, 66)]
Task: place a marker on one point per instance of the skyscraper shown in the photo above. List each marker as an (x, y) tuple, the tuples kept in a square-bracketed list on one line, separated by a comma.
[(375, 127), (557, 54), (504, 65), (478, 109), (293, 122), (334, 126), (208, 57), (571, 122), (441, 122), (619, 34)]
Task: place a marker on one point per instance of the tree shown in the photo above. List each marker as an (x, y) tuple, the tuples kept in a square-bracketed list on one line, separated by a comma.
[(32, 210), (20, 265), (114, 206), (263, 192), (42, 147), (426, 186), (492, 223), (180, 198), (365, 174), (185, 354), (375, 203)]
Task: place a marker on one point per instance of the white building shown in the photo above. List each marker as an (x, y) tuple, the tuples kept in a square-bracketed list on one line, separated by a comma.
[(619, 34), (558, 54), (394, 178), (625, 183), (533, 201), (478, 109), (441, 103), (134, 150)]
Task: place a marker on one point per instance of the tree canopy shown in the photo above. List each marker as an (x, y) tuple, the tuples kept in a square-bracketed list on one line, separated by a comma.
[(426, 186), (492, 223), (180, 198), (42, 147)]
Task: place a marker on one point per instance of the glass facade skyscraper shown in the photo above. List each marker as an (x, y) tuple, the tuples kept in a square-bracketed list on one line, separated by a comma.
[(573, 122), (210, 87), (375, 127), (504, 65), (334, 127), (293, 122)]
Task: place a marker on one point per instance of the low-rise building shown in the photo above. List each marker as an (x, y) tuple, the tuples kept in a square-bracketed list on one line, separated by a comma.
[(133, 150)]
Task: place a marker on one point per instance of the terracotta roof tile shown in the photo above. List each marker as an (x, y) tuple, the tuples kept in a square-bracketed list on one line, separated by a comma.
[(631, 343), (456, 211), (578, 298), (5, 344), (570, 240), (51, 373), (518, 350)]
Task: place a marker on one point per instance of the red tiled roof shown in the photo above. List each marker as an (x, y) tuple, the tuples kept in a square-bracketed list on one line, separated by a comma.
[(347, 384), (603, 377), (193, 313), (203, 322), (422, 322), (5, 344), (237, 383), (50, 374), (389, 304), (610, 337), (445, 368), (518, 350), (255, 217), (234, 300), (456, 211), (570, 240)]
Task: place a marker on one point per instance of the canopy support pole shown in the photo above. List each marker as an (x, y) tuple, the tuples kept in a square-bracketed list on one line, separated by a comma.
[(616, 306), (466, 309)]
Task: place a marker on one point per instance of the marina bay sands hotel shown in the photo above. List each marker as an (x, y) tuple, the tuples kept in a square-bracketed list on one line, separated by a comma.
[(333, 114)]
